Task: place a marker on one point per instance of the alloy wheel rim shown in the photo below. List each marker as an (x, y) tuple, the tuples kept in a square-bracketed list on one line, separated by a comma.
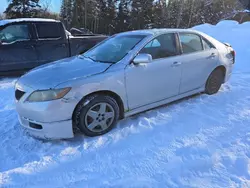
[(99, 117)]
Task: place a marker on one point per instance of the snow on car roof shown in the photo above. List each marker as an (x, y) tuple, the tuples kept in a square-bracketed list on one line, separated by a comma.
[(8, 21), (155, 31)]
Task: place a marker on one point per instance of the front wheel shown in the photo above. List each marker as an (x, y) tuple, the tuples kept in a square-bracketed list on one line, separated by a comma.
[(97, 115), (214, 82)]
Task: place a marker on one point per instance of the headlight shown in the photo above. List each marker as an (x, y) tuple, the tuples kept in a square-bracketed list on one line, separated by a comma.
[(48, 95)]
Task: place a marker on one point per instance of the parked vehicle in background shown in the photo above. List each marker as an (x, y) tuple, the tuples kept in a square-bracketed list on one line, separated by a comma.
[(80, 31), (126, 74), (31, 42)]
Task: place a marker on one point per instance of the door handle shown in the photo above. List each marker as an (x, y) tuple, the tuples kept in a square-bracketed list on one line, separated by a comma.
[(176, 64), (61, 45)]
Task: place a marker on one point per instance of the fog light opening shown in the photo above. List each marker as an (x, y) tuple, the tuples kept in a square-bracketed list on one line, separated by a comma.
[(35, 126)]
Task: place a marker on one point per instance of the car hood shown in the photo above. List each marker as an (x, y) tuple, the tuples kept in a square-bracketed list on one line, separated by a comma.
[(50, 75)]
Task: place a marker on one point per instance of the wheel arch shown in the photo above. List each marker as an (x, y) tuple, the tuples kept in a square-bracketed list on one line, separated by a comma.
[(223, 69), (104, 92)]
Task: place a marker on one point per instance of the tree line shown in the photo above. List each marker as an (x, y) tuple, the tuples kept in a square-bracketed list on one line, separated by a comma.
[(112, 16), (29, 9)]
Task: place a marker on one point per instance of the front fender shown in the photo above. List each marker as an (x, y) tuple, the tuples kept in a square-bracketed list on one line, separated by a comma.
[(108, 81)]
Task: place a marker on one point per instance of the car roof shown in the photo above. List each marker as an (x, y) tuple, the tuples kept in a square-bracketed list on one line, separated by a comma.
[(9, 21), (156, 32)]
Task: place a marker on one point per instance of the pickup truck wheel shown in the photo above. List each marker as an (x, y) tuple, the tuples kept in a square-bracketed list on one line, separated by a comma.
[(97, 115), (214, 82)]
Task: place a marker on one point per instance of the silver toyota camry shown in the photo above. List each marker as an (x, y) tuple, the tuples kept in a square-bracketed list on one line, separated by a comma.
[(126, 74)]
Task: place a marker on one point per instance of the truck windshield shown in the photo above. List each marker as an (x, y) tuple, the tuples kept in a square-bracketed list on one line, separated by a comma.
[(114, 49)]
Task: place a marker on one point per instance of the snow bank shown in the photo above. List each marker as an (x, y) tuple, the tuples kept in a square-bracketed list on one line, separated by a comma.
[(227, 24), (202, 141), (234, 33)]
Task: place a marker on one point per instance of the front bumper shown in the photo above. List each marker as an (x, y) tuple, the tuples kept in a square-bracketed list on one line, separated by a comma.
[(46, 120), (51, 131)]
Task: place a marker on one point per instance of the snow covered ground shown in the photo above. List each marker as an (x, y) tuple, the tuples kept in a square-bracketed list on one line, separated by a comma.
[(203, 141)]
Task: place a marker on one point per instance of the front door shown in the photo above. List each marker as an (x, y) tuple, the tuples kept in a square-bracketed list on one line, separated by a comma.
[(51, 44), (199, 59), (157, 80), (17, 48)]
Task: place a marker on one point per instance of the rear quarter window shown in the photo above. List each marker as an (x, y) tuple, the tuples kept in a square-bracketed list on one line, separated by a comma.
[(48, 30)]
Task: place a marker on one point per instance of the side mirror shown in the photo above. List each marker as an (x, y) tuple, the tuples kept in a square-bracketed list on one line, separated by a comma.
[(142, 59)]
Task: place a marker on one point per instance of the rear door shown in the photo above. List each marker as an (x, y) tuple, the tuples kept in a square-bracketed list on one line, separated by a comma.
[(17, 51), (199, 59), (52, 43)]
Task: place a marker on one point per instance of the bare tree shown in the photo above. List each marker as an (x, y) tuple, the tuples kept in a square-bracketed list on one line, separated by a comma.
[(181, 6), (45, 5), (2, 16), (45, 11), (85, 13), (245, 4), (191, 13)]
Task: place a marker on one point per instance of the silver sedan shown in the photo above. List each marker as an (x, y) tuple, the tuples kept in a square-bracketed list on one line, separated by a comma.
[(126, 74)]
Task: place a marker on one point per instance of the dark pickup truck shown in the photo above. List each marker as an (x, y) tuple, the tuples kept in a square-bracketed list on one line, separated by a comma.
[(29, 42)]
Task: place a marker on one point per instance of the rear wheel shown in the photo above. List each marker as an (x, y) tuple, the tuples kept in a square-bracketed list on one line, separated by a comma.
[(214, 82), (97, 115)]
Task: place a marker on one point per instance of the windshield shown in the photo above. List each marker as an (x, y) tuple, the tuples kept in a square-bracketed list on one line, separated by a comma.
[(114, 49)]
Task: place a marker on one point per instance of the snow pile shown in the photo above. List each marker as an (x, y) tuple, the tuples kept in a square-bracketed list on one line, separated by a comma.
[(235, 34), (203, 141)]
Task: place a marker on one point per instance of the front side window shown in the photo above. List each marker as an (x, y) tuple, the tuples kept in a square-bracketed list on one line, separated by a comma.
[(14, 33), (161, 47), (190, 43), (153, 43), (48, 30), (114, 49)]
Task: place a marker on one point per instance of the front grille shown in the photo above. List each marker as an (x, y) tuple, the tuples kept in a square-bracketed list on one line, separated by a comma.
[(19, 94)]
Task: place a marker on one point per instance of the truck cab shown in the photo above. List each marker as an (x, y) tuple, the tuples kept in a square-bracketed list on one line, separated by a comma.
[(31, 42)]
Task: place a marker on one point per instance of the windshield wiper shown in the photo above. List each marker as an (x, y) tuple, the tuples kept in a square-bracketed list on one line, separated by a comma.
[(98, 60), (89, 58), (106, 61)]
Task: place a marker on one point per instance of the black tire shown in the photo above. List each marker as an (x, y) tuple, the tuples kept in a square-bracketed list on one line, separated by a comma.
[(214, 82), (85, 105)]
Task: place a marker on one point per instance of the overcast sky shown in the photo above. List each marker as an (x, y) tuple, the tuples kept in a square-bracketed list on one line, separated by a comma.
[(55, 5)]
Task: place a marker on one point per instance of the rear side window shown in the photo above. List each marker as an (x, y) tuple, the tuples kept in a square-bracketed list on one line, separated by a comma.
[(161, 47), (207, 45), (190, 43), (48, 30)]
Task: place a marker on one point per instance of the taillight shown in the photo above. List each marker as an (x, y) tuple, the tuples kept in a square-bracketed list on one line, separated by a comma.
[(233, 54)]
